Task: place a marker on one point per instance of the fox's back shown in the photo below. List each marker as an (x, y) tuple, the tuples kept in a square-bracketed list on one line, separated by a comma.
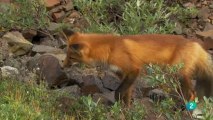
[(145, 48)]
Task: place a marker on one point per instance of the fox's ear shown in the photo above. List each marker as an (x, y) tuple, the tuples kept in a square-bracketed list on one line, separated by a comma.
[(76, 48)]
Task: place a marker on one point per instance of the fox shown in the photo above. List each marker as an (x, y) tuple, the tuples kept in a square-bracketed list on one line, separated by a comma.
[(125, 55)]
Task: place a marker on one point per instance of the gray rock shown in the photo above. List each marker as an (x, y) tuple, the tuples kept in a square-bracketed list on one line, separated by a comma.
[(205, 34), (29, 34), (46, 49), (47, 41), (178, 29), (104, 98), (208, 26), (204, 13), (4, 51), (91, 84), (47, 67), (68, 6), (8, 71), (74, 90), (18, 45), (54, 27), (60, 57), (110, 81)]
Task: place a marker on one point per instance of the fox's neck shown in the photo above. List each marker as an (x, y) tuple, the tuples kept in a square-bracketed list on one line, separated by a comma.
[(100, 54)]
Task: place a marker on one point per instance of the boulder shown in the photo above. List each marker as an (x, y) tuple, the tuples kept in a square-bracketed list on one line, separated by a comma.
[(91, 84), (8, 71), (60, 57), (68, 6), (64, 104), (51, 3), (46, 49), (207, 37), (47, 67), (110, 81), (18, 45), (90, 89), (58, 15), (73, 90), (203, 13), (29, 34), (105, 98), (4, 51)]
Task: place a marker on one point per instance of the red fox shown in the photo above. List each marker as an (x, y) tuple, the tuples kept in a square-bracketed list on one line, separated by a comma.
[(126, 54)]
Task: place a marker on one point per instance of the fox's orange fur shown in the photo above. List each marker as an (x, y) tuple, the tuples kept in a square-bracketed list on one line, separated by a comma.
[(127, 54)]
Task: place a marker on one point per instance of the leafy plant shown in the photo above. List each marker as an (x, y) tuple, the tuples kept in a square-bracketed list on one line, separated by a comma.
[(23, 14), (133, 16)]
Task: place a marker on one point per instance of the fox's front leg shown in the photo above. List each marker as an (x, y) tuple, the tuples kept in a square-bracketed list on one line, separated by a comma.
[(124, 91)]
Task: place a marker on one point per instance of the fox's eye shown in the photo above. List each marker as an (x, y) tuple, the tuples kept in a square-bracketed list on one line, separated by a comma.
[(75, 47)]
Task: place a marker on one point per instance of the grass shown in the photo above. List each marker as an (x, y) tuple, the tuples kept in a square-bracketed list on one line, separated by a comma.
[(22, 101), (29, 101), (133, 16), (167, 78), (31, 15)]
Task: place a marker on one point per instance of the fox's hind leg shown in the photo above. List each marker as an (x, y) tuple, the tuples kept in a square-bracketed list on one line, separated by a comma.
[(186, 81), (124, 91)]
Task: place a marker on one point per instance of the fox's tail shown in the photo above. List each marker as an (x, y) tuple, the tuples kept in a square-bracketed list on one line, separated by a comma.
[(204, 75)]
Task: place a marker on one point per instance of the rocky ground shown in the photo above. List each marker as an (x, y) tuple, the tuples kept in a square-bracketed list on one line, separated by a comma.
[(32, 55)]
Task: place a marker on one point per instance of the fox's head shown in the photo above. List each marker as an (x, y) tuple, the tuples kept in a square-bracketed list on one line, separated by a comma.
[(77, 50)]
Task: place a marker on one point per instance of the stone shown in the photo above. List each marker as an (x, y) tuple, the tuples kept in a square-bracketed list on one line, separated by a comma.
[(55, 9), (208, 26), (211, 17), (74, 15), (60, 57), (47, 41), (8, 71), (58, 15), (68, 6), (204, 3), (178, 29), (148, 106), (211, 6), (64, 104), (110, 81), (188, 5), (205, 34), (104, 98), (90, 89), (51, 3), (61, 42), (46, 49), (4, 51), (91, 84), (208, 43), (18, 45), (54, 27), (73, 90), (203, 13), (47, 67), (29, 34), (75, 73)]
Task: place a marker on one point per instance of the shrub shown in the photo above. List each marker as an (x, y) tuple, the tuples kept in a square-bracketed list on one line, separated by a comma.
[(23, 14), (132, 16)]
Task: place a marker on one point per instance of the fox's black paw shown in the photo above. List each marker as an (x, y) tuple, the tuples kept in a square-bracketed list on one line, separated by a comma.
[(157, 95)]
